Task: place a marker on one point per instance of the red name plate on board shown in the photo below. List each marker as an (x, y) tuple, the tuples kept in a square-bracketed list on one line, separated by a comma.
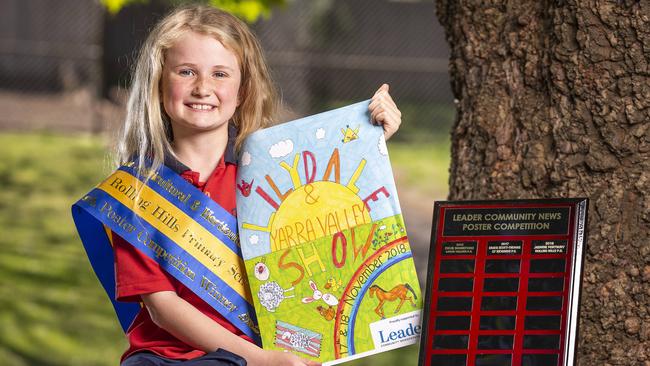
[(503, 284)]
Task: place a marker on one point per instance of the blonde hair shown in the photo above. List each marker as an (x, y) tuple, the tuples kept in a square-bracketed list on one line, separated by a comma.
[(146, 132)]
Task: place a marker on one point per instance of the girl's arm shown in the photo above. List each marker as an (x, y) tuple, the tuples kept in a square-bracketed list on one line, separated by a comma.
[(384, 111), (185, 322)]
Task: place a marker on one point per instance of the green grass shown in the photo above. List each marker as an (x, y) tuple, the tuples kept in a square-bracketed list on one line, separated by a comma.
[(52, 308), (423, 166)]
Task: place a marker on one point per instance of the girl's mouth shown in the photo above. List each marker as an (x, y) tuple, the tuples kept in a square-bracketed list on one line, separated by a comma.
[(200, 107)]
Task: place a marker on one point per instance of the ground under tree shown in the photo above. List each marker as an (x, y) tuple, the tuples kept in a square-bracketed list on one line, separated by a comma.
[(553, 100)]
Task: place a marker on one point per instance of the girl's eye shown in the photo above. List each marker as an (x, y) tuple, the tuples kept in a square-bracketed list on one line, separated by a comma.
[(220, 74), (186, 72)]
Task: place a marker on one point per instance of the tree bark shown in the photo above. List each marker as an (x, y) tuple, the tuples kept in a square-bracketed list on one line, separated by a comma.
[(553, 100)]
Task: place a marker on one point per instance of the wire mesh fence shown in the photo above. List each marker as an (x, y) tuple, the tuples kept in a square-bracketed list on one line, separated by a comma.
[(50, 46), (323, 53), (60, 60)]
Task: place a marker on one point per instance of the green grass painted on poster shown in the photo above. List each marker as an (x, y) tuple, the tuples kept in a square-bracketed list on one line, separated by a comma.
[(291, 310)]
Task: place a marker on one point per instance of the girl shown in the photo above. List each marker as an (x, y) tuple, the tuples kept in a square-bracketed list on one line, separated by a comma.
[(201, 85)]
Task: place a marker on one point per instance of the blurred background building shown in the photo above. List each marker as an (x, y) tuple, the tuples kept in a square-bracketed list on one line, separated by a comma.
[(70, 61)]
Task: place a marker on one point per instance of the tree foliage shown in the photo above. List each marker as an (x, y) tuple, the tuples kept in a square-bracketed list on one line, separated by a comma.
[(248, 10)]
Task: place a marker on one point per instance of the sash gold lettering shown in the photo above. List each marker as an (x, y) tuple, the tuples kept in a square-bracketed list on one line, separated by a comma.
[(166, 218), (175, 261), (198, 243), (209, 216), (107, 209), (246, 319), (236, 274), (129, 191), (212, 290)]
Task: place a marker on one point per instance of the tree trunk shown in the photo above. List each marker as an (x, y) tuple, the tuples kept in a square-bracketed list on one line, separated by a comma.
[(552, 100)]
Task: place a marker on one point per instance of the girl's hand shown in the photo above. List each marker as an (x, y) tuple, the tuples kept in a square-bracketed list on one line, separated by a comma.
[(280, 358), (384, 111)]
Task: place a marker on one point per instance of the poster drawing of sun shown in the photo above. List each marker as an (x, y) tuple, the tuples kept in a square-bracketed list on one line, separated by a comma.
[(323, 239)]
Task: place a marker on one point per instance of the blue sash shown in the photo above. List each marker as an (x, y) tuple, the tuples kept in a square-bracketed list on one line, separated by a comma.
[(174, 223)]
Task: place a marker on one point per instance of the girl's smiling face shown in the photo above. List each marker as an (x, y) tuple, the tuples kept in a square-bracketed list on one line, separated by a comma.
[(200, 84)]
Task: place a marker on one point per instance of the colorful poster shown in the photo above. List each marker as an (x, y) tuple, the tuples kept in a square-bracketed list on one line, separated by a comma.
[(323, 239)]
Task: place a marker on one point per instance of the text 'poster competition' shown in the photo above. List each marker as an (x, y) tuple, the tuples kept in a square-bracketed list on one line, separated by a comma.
[(503, 283), (326, 252)]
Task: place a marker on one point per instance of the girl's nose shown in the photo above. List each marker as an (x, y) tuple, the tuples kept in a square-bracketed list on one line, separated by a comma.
[(201, 88)]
